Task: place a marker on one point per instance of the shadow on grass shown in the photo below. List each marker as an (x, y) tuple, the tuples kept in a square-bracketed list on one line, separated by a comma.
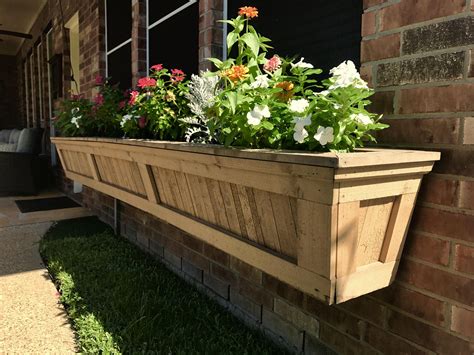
[(121, 300)]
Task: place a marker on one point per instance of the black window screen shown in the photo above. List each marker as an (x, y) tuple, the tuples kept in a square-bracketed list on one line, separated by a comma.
[(119, 30), (324, 32), (160, 8), (174, 42)]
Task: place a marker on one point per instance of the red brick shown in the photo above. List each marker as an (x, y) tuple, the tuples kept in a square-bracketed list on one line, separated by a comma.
[(380, 48), (468, 136), (368, 23), (439, 191), (428, 130), (224, 274), (342, 343), (196, 259), (216, 255), (455, 162), (382, 102), (444, 223), (430, 249), (389, 343), (193, 243), (466, 195), (430, 337), (283, 290), (464, 259), (471, 61), (371, 3), (408, 12), (245, 270), (440, 282), (365, 308), (336, 317), (452, 98), (462, 321), (413, 302), (256, 293), (366, 74)]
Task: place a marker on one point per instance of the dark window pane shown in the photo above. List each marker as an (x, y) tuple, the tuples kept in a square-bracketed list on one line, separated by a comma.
[(324, 32), (174, 43), (160, 8), (119, 22), (120, 66)]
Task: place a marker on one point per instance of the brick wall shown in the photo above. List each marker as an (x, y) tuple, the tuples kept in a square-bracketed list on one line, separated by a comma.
[(417, 54), (9, 115)]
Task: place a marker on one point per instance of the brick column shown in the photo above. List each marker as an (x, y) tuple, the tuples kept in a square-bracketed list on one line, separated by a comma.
[(210, 31), (139, 33), (418, 56)]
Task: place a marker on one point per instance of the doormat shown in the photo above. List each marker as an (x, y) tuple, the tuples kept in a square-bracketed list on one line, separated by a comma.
[(45, 204)]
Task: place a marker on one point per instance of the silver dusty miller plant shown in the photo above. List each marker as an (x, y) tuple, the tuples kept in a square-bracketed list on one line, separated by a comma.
[(201, 96)]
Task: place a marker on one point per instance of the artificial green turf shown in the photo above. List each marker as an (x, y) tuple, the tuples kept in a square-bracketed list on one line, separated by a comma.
[(121, 300)]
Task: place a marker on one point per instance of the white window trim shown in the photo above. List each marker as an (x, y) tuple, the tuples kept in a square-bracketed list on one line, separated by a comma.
[(27, 96), (52, 131), (157, 22), (32, 87), (107, 51), (40, 79)]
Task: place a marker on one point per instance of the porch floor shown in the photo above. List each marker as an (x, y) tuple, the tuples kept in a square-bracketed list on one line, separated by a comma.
[(31, 318)]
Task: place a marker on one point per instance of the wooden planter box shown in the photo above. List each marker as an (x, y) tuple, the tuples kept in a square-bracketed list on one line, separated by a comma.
[(331, 225)]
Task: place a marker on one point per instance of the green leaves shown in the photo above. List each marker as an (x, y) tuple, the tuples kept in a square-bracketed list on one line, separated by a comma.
[(252, 41)]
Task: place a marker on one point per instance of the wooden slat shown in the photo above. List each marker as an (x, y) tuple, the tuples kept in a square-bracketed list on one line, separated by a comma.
[(149, 183), (249, 215), (398, 227), (185, 193), (267, 223), (304, 280), (93, 166), (217, 203), (206, 200), (285, 224), (347, 237), (171, 186), (238, 209), (314, 226), (372, 232)]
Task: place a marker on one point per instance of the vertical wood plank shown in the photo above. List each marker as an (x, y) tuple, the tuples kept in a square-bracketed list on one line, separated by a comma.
[(93, 167), (398, 227), (256, 215), (148, 182), (164, 198), (217, 203), (347, 237), (285, 224), (206, 200), (247, 213), (267, 220), (240, 213), (229, 205), (185, 193)]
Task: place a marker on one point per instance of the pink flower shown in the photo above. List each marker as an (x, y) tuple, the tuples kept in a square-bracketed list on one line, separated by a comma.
[(142, 121), (133, 97), (122, 104), (272, 64), (177, 75), (99, 99), (99, 80), (146, 82), (157, 67)]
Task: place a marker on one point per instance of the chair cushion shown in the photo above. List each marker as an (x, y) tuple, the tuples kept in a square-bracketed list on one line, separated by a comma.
[(14, 135), (5, 147), (5, 135), (28, 142)]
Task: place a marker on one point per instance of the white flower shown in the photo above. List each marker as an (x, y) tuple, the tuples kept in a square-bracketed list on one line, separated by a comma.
[(323, 93), (75, 119), (255, 116), (302, 64), (336, 106), (261, 81), (324, 135), (300, 135), (299, 105), (346, 74), (361, 118), (301, 122), (74, 111), (125, 119)]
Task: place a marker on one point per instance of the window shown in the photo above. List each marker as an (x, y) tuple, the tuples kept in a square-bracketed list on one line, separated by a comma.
[(32, 90), (324, 32), (173, 34), (118, 42), (39, 61), (73, 26)]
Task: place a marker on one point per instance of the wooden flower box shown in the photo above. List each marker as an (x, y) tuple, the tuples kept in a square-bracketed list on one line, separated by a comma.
[(331, 225)]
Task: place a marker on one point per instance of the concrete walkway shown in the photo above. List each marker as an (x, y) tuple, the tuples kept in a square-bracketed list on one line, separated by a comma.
[(32, 321)]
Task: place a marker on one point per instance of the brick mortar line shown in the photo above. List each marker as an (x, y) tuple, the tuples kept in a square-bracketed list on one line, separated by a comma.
[(439, 267), (412, 26), (420, 55), (456, 210), (431, 146), (453, 177), (381, 6), (446, 239), (430, 84), (422, 115)]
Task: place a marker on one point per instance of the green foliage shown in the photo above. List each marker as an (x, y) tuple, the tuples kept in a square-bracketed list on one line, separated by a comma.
[(121, 300)]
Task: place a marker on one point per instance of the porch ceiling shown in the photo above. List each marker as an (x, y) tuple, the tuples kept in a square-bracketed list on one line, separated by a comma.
[(17, 16)]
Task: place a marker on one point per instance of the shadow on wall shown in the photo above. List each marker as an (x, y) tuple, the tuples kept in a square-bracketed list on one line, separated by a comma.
[(9, 93)]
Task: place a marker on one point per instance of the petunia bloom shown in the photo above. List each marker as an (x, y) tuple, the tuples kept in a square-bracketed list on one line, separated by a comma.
[(361, 118), (272, 64), (146, 82), (157, 67), (75, 120), (301, 133), (299, 105), (125, 119), (346, 74), (259, 112), (302, 64), (261, 81), (324, 135), (133, 97), (248, 11)]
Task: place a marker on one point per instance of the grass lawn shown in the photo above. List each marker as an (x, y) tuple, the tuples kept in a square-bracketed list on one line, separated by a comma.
[(121, 300)]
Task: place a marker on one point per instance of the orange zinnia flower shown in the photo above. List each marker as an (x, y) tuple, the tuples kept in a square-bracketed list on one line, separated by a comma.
[(248, 11), (237, 72), (287, 92)]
